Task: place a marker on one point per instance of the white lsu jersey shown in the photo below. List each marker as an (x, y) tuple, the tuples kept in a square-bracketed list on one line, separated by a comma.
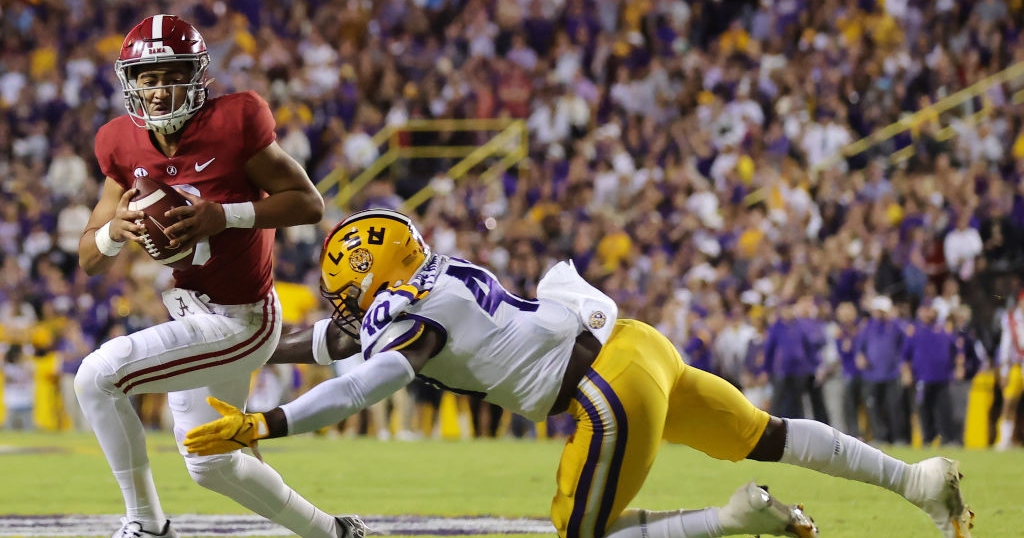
[(505, 349)]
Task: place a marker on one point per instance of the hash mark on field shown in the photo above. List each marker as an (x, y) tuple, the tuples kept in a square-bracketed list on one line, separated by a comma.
[(252, 525)]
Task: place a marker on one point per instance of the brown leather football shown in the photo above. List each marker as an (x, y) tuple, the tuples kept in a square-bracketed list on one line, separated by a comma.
[(154, 199)]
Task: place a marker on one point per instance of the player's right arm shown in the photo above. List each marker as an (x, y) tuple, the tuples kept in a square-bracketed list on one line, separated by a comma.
[(110, 227), (323, 343)]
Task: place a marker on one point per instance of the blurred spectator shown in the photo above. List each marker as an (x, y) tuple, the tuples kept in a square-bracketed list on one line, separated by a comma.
[(19, 388), (948, 301), (756, 378), (975, 359), (791, 353), (67, 174), (730, 347), (879, 344), (854, 389), (962, 246), (931, 360)]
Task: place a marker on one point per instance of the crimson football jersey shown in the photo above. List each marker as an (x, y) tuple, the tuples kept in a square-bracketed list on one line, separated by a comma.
[(210, 163)]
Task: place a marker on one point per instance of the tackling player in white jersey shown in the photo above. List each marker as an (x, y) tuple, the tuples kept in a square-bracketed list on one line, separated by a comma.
[(413, 313)]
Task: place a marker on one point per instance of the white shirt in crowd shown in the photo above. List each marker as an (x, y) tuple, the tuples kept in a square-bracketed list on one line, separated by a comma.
[(824, 140), (730, 348), (961, 246)]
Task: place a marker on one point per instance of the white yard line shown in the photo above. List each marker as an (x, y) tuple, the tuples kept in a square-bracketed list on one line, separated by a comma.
[(193, 525)]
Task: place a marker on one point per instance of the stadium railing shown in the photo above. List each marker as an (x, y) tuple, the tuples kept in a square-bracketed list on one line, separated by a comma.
[(507, 145), (969, 114)]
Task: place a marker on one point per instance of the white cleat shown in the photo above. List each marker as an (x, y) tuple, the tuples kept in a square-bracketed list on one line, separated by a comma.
[(351, 527), (934, 486), (752, 510), (133, 529)]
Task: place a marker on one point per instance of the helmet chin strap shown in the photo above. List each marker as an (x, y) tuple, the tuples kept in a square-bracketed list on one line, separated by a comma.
[(167, 123), (164, 127)]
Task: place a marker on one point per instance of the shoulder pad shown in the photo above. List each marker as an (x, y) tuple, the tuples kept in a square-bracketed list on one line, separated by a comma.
[(396, 335)]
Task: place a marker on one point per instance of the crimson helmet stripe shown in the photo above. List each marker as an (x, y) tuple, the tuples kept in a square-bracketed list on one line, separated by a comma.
[(158, 27)]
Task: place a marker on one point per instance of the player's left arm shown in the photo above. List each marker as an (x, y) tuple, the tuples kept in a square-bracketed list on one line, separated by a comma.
[(293, 197), (327, 403)]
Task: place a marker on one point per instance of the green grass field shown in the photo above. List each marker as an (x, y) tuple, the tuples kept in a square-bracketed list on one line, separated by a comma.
[(66, 474)]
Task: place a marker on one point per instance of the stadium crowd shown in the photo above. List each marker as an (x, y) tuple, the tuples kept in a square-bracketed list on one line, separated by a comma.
[(683, 154)]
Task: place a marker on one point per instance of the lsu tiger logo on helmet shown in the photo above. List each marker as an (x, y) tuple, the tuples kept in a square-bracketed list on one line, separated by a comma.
[(369, 251)]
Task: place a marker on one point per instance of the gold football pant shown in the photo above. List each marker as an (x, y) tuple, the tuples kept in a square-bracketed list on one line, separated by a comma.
[(638, 393)]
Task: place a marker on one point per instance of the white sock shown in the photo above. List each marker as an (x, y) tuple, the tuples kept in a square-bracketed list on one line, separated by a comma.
[(123, 441), (1005, 433), (670, 524), (140, 497), (814, 445), (258, 487)]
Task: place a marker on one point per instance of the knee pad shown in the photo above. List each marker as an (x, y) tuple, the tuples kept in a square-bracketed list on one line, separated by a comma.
[(212, 472), (241, 477), (94, 377)]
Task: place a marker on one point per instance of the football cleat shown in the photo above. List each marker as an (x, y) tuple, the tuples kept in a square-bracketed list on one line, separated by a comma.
[(933, 485), (351, 527), (133, 529), (752, 510)]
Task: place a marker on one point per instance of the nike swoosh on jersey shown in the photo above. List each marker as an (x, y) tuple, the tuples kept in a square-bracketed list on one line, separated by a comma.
[(201, 167)]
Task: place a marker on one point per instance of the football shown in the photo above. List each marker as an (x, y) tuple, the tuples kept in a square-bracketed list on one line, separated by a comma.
[(154, 199)]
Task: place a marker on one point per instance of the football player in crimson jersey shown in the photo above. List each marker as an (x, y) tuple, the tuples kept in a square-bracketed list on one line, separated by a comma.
[(226, 320), (450, 322)]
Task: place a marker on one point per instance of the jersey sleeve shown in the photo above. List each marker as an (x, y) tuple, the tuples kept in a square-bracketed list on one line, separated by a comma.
[(260, 125)]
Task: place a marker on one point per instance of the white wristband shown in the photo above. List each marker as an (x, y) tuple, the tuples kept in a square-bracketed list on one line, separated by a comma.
[(107, 246), (241, 215), (320, 352)]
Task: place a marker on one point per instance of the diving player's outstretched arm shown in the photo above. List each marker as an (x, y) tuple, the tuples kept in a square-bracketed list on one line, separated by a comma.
[(327, 403)]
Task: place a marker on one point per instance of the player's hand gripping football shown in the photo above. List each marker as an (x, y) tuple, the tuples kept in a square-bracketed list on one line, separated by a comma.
[(231, 432), (125, 226), (202, 218)]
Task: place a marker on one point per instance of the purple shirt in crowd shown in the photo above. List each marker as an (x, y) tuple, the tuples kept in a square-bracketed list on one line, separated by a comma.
[(791, 348), (880, 341), (931, 350), (846, 346)]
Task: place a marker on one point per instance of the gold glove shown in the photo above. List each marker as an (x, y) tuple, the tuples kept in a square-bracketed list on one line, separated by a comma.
[(231, 432)]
